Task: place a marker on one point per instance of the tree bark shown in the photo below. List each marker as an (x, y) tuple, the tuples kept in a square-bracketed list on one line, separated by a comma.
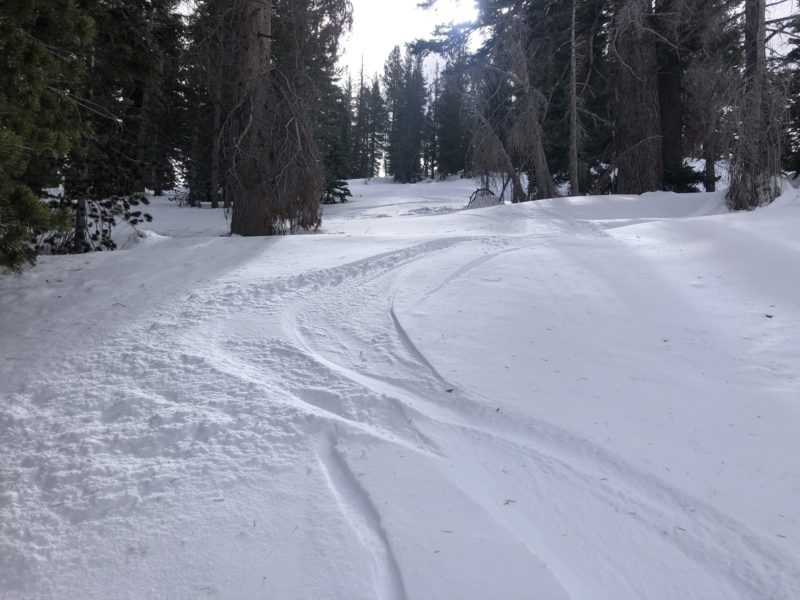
[(671, 71), (637, 129), (251, 191), (215, 156), (756, 159), (670, 84), (81, 226), (142, 142), (574, 133), (710, 156)]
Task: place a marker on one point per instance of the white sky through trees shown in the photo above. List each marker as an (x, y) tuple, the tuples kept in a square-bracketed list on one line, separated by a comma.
[(379, 25)]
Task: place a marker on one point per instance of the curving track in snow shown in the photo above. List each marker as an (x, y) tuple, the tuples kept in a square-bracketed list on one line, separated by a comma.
[(433, 413)]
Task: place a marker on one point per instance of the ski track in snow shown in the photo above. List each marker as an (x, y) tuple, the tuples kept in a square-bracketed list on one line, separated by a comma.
[(365, 520), (250, 376), (743, 559)]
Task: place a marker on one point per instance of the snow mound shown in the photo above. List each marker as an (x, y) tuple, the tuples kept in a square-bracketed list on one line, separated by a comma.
[(483, 199), (655, 205)]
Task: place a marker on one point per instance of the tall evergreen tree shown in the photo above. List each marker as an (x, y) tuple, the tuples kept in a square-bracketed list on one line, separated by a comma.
[(42, 45), (792, 137), (369, 131), (127, 144), (430, 143), (360, 146), (394, 85), (406, 96), (268, 117), (334, 137), (452, 122), (376, 137), (413, 119)]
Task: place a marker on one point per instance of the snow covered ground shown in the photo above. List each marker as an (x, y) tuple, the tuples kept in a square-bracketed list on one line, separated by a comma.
[(579, 398)]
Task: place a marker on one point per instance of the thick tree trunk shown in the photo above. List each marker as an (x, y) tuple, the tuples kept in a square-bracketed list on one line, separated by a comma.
[(252, 193), (671, 71), (638, 117), (670, 84)]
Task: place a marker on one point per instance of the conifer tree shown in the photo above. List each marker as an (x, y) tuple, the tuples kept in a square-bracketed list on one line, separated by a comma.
[(127, 143), (406, 96), (792, 136), (267, 109), (452, 122), (378, 118), (361, 129), (413, 119), (394, 85), (430, 150), (41, 60), (334, 136), (369, 130)]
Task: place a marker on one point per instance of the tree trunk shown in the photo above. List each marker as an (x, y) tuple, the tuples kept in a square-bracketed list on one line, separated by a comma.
[(755, 163), (517, 190), (215, 156), (195, 193), (545, 187), (155, 168), (251, 191), (142, 142), (81, 227), (671, 71), (670, 84), (710, 156), (574, 133), (637, 129)]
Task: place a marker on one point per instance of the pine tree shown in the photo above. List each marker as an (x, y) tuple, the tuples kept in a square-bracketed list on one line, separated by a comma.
[(406, 96), (393, 83), (131, 96), (334, 139), (360, 142), (267, 102), (792, 137), (378, 119), (209, 71), (430, 144), (413, 119), (41, 60), (453, 127)]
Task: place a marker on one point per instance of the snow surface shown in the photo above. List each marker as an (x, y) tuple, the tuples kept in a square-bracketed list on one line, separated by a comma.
[(585, 398)]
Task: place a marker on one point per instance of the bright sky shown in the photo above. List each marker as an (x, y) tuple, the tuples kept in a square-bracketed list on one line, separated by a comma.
[(380, 25)]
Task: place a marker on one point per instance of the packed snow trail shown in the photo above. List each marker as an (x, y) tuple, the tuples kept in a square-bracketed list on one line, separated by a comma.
[(580, 398)]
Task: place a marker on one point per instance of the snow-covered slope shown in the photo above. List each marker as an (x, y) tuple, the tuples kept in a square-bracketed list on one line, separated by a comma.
[(579, 398)]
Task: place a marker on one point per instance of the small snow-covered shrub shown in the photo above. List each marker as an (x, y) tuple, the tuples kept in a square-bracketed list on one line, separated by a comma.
[(482, 198)]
